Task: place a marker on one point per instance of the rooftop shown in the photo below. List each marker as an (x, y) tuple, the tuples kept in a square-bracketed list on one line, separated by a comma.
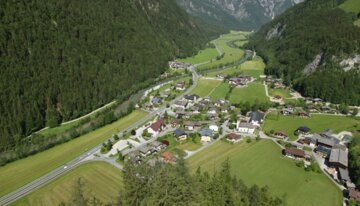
[(339, 156)]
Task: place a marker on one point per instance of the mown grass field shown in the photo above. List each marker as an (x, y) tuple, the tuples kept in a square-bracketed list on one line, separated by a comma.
[(205, 87), (284, 93), (99, 179), (187, 144), (21, 172), (351, 6), (253, 68), (203, 56), (253, 93), (317, 123), (230, 54), (261, 163), (220, 91)]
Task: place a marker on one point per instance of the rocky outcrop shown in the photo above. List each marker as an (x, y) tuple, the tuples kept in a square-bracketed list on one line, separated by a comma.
[(351, 63), (276, 31), (311, 68)]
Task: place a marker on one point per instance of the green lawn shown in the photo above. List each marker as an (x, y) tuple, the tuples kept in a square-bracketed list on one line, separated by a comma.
[(220, 91), (187, 144), (205, 87), (203, 56), (261, 163), (351, 6), (253, 93), (254, 68), (230, 54), (317, 123), (21, 172), (100, 179), (284, 93)]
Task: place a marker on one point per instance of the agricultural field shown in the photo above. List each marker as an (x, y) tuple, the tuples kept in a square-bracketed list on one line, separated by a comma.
[(262, 163), (351, 6), (21, 172), (203, 56), (253, 68), (317, 123), (99, 179), (230, 54), (284, 93), (220, 91), (205, 87), (252, 93)]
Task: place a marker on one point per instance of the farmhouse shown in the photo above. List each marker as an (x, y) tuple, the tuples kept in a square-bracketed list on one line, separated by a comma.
[(294, 153), (180, 104), (281, 135), (344, 175), (338, 158), (180, 86), (178, 65), (244, 127), (206, 135), (303, 130), (256, 118), (180, 135), (156, 127), (233, 137)]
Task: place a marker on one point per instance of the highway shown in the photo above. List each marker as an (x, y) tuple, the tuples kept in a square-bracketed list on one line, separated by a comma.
[(89, 155)]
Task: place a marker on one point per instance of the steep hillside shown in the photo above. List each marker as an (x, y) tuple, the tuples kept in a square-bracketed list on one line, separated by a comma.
[(314, 46), (236, 14), (61, 59)]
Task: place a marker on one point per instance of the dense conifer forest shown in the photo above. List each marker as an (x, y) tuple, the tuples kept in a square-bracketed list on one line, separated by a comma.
[(61, 59), (293, 40), (166, 184)]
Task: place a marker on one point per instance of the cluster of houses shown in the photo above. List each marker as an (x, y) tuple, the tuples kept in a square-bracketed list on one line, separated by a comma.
[(277, 83), (178, 65), (137, 155)]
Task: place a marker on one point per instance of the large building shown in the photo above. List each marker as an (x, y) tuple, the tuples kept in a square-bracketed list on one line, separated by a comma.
[(338, 158)]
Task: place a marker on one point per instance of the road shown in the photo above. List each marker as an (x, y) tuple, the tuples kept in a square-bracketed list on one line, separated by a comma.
[(90, 154)]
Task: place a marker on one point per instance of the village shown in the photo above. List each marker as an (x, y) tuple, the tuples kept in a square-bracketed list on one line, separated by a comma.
[(200, 121)]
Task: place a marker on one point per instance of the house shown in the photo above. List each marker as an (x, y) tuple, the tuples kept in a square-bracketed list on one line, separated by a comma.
[(180, 114), (338, 158), (178, 65), (294, 153), (303, 114), (287, 111), (156, 100), (180, 86), (195, 110), (221, 76), (325, 108), (165, 94), (191, 98), (317, 100), (145, 151), (180, 135), (326, 142), (224, 109), (244, 127), (191, 126), (207, 99), (134, 157), (344, 175), (214, 128), (206, 135), (212, 110), (167, 157), (256, 118), (180, 104), (354, 195), (303, 130), (156, 127), (175, 123), (310, 141), (281, 135), (233, 137), (157, 146)]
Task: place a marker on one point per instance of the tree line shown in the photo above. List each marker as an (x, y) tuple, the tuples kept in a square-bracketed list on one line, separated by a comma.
[(167, 184), (309, 29), (62, 59)]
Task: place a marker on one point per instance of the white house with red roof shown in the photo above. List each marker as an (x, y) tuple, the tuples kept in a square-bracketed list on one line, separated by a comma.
[(156, 127)]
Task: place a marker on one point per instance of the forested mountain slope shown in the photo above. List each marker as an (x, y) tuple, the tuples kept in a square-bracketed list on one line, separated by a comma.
[(314, 46), (236, 14), (60, 59)]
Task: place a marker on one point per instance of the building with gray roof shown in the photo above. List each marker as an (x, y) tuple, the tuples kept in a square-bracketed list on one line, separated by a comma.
[(338, 158)]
